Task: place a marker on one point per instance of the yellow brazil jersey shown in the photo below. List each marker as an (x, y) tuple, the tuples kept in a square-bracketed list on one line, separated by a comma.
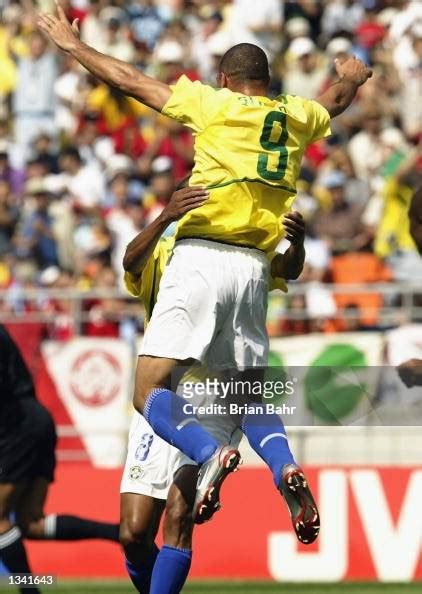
[(145, 285), (248, 152)]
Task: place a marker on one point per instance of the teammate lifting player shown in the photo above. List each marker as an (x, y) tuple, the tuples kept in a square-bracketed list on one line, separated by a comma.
[(151, 463)]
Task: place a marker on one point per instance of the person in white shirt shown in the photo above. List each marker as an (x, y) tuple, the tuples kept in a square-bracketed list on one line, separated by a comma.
[(306, 72), (84, 183), (259, 23)]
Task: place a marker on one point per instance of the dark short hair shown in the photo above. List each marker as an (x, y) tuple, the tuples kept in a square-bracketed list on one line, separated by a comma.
[(246, 62)]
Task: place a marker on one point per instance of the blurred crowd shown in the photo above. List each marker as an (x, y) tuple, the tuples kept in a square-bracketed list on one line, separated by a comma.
[(83, 169)]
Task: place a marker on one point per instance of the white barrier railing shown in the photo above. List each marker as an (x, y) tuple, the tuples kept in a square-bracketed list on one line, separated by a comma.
[(401, 302)]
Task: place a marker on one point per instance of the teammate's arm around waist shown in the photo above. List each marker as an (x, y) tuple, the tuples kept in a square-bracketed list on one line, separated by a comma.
[(290, 264), (139, 250)]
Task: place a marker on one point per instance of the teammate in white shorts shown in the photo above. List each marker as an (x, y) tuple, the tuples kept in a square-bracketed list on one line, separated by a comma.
[(151, 463)]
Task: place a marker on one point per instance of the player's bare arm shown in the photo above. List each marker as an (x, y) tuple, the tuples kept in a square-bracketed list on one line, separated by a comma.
[(290, 264), (352, 74), (181, 202), (125, 77)]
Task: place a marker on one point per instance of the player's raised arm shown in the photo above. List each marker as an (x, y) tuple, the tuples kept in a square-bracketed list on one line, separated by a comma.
[(125, 77), (352, 74), (181, 202)]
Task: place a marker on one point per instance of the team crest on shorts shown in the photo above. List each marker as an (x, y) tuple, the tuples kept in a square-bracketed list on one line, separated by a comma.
[(136, 472)]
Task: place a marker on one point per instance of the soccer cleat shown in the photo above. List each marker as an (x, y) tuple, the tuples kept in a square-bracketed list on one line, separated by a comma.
[(302, 507), (211, 476)]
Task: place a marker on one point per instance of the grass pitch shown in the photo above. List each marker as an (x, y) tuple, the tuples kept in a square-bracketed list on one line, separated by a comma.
[(271, 588), (119, 587)]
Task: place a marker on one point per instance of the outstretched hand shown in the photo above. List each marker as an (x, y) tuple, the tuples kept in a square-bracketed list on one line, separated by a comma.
[(353, 70), (58, 29)]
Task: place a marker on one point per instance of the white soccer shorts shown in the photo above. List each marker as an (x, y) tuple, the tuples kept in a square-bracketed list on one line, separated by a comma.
[(211, 306), (151, 462)]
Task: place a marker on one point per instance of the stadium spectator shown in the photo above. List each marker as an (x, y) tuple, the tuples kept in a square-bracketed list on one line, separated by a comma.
[(365, 147), (297, 26), (93, 27), (307, 72), (84, 183), (12, 46), (147, 20), (9, 216), (408, 61), (202, 43), (340, 225), (116, 42), (393, 241), (36, 239), (67, 89), (34, 103), (161, 188), (14, 177), (126, 217), (339, 16), (257, 22), (61, 325), (295, 325), (369, 32), (339, 48), (103, 314)]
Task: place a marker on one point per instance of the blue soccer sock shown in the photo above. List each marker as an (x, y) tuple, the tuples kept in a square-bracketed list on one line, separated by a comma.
[(164, 411), (170, 570), (141, 572), (267, 436)]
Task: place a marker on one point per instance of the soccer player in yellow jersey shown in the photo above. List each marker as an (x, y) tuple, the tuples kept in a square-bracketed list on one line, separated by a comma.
[(211, 306)]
